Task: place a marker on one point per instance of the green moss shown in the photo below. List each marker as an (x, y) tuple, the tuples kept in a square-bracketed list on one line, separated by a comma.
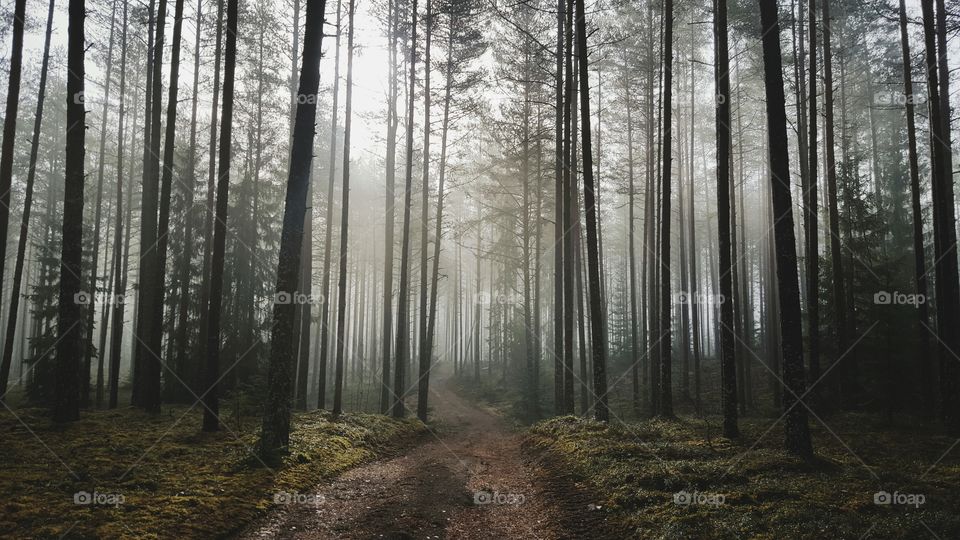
[(636, 469), (176, 482)]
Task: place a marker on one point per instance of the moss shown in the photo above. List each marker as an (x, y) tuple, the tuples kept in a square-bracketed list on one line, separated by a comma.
[(638, 468), (176, 481)]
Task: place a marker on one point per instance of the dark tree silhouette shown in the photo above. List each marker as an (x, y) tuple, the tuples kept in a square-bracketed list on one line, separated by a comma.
[(66, 406), (795, 412)]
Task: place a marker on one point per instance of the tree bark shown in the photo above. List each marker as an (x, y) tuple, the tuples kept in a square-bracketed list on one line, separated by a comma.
[(344, 219), (795, 412), (211, 403), (728, 374), (66, 407), (598, 339)]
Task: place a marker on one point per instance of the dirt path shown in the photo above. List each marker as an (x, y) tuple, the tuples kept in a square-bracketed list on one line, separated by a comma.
[(469, 481)]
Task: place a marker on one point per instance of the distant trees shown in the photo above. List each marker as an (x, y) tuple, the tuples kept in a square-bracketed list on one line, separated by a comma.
[(511, 147), (12, 315)]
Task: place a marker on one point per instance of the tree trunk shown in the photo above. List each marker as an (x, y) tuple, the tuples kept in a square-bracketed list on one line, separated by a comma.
[(558, 229), (275, 433), (10, 129), (666, 350), (186, 258), (811, 221), (795, 413), (598, 339), (25, 218), (344, 220), (948, 297), (920, 264), (391, 165), (423, 380), (728, 374), (95, 258), (70, 342), (148, 365), (836, 256), (403, 307), (211, 174), (212, 375)]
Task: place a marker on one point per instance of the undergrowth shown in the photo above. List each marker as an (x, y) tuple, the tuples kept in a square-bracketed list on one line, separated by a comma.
[(172, 480), (749, 488)]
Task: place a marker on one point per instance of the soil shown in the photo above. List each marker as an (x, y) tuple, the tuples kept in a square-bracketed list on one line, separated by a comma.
[(470, 479)]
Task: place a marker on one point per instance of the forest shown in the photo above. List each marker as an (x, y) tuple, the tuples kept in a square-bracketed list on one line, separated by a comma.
[(473, 269)]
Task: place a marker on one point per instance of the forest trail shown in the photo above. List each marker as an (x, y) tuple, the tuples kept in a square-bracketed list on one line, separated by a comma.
[(438, 490)]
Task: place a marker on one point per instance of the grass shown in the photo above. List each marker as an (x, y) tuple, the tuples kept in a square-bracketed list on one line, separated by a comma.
[(756, 489), (175, 482)]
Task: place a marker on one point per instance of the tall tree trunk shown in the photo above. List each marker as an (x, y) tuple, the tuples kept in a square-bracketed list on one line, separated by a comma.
[(211, 176), (438, 225), (186, 257), (145, 180), (920, 264), (558, 229), (147, 373), (836, 256), (391, 165), (66, 406), (117, 303), (155, 334), (635, 352), (946, 282), (275, 433), (25, 218), (344, 219), (328, 226), (797, 431), (10, 128), (403, 304), (212, 374), (597, 337), (811, 221), (728, 374), (423, 380), (692, 239), (569, 245), (95, 258), (666, 350)]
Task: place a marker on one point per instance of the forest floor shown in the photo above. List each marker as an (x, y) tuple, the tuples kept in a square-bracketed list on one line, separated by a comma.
[(679, 479), (473, 479), (124, 473)]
